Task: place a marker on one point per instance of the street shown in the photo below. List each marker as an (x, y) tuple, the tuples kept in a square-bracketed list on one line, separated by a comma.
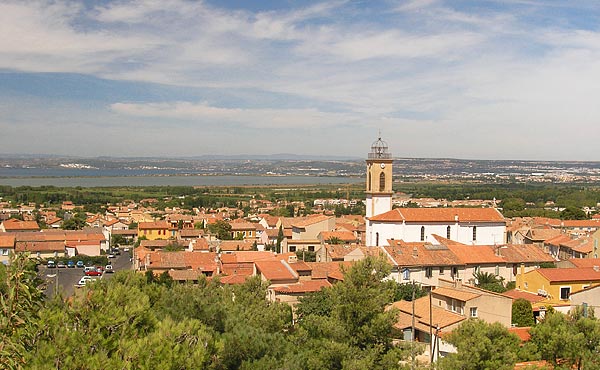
[(67, 278)]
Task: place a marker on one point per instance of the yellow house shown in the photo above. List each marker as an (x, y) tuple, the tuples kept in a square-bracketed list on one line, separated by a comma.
[(557, 284), (156, 230)]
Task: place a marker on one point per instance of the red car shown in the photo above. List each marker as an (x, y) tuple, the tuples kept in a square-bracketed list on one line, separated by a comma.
[(93, 273)]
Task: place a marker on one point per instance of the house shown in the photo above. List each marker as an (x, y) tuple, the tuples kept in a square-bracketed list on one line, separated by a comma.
[(310, 227), (330, 271), (557, 284), (14, 225), (7, 247), (342, 252), (588, 297), (41, 249), (156, 230), (291, 293), (189, 234), (236, 245), (54, 223), (475, 226), (341, 236), (276, 272), (444, 310), (243, 230), (188, 264)]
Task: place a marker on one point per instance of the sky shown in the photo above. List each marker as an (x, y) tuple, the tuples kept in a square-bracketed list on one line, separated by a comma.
[(478, 79)]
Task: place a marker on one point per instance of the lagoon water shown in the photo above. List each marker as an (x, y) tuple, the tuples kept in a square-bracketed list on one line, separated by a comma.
[(174, 180)]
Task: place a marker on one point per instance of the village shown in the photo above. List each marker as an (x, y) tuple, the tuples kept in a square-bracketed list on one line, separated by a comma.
[(450, 252)]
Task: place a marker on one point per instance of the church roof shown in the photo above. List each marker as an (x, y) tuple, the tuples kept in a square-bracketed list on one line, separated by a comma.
[(446, 215)]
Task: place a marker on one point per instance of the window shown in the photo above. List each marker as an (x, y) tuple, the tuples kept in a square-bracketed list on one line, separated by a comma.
[(382, 182), (369, 182), (497, 270), (4, 252), (422, 233), (448, 232), (454, 272), (477, 269), (565, 292), (377, 239), (441, 270), (406, 274), (428, 272), (473, 311), (311, 248), (474, 233), (292, 248)]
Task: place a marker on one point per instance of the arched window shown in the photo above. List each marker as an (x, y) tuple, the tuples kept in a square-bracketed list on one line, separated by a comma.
[(448, 232), (377, 239), (422, 233), (474, 233), (369, 182), (382, 182)]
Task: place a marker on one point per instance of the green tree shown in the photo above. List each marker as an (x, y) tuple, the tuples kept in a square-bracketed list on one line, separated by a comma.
[(20, 301), (280, 238), (481, 345), (489, 281), (404, 291), (222, 229), (522, 313), (573, 213)]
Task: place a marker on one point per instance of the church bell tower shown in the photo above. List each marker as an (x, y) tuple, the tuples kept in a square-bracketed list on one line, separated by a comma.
[(379, 179)]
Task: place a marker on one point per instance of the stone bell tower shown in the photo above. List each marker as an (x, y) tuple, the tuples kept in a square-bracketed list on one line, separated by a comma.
[(379, 179)]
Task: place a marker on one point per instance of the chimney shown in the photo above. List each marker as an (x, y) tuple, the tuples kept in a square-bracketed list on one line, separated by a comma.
[(415, 252)]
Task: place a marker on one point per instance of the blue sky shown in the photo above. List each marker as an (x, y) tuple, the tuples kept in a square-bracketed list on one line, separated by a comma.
[(461, 79)]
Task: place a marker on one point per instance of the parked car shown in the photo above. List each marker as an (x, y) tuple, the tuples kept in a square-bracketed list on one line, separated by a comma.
[(84, 280), (116, 251), (71, 264), (111, 255), (50, 264), (93, 272), (109, 269), (80, 264), (61, 265)]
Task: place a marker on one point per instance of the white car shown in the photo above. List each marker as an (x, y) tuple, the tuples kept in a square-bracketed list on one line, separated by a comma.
[(108, 269), (84, 280)]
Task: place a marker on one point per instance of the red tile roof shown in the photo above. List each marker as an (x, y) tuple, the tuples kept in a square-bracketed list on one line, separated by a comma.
[(440, 215), (154, 225), (460, 295), (440, 316), (304, 286), (236, 245), (585, 262), (522, 333), (40, 246), (324, 270), (345, 236), (16, 225), (570, 274), (421, 254), (247, 256), (311, 220), (203, 261), (276, 270), (521, 294), (233, 279), (475, 254), (7, 240)]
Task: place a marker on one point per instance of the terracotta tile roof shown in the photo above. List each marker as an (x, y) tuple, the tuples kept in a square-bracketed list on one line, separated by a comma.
[(154, 225), (40, 246), (311, 220), (300, 266), (558, 239), (475, 254), (542, 234), (324, 270), (585, 262), (125, 232), (582, 223), (203, 261), (237, 225), (440, 215), (460, 295), (345, 236), (245, 269), (582, 245), (53, 220), (185, 275), (14, 225), (421, 254), (440, 316), (523, 253), (444, 241), (7, 240), (236, 245), (247, 256), (276, 270), (233, 279), (522, 333), (303, 286), (554, 275), (200, 244), (338, 251), (271, 220), (546, 221), (521, 294)]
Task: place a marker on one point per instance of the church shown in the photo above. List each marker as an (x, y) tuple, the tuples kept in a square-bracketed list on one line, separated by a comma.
[(474, 226)]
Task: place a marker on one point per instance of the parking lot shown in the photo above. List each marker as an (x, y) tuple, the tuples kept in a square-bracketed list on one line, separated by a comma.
[(63, 280)]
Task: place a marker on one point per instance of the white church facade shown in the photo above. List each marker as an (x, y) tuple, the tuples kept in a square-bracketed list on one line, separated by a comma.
[(475, 226)]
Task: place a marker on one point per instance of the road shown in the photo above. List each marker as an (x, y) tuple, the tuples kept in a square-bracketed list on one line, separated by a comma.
[(67, 278)]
